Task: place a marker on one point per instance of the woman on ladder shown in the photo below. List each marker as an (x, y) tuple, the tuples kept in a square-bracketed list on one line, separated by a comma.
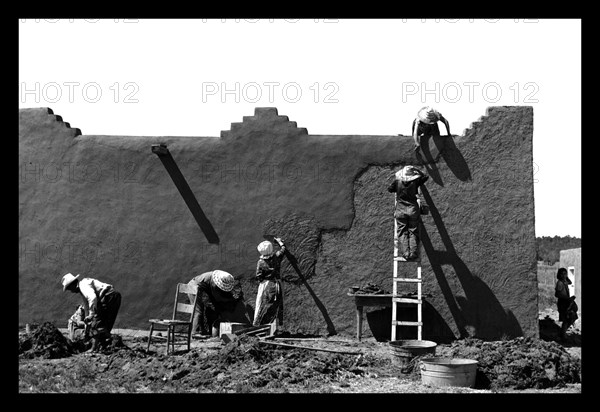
[(407, 183)]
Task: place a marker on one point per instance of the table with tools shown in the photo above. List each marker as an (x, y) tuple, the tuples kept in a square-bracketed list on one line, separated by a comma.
[(367, 299)]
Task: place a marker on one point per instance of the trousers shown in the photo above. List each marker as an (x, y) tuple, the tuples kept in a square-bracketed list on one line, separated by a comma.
[(408, 234)]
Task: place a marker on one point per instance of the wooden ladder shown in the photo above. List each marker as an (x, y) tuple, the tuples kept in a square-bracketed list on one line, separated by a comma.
[(397, 299)]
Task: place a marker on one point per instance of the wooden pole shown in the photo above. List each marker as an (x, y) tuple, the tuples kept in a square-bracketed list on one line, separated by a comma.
[(286, 345)]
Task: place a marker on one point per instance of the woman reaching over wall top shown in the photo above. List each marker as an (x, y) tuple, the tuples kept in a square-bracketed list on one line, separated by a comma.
[(425, 124)]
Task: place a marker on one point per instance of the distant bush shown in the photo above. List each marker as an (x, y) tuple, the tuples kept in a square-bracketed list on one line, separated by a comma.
[(548, 248)]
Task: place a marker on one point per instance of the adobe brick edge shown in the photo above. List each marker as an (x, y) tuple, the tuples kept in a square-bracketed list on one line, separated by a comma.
[(104, 206)]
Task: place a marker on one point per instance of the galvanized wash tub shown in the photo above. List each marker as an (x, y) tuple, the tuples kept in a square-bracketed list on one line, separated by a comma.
[(405, 350), (448, 372)]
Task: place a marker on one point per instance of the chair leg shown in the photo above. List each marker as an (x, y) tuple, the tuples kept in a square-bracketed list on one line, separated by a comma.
[(150, 336), (173, 339), (168, 338), (189, 337)]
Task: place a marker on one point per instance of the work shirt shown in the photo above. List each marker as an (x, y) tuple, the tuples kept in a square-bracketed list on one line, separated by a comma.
[(407, 193), (269, 268), (203, 281), (216, 295), (91, 290)]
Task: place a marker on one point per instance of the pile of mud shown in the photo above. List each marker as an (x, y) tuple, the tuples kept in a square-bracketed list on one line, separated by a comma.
[(245, 362), (520, 363), (47, 341), (243, 365)]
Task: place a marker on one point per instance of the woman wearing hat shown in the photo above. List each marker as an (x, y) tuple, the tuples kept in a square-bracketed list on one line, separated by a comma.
[(426, 124), (220, 298), (269, 300), (407, 187), (101, 303)]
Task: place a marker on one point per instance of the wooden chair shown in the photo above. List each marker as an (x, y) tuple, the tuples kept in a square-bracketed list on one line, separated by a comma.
[(180, 324)]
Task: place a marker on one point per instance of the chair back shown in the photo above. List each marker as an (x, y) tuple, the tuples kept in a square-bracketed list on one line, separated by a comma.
[(185, 302)]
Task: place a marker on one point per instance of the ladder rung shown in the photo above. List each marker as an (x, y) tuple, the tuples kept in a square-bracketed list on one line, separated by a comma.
[(408, 280), (406, 323), (397, 259), (406, 300)]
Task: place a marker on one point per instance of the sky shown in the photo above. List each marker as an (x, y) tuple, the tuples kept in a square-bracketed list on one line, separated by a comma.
[(194, 77)]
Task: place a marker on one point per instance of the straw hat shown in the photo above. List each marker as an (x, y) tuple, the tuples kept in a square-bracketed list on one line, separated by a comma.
[(408, 173), (428, 115), (67, 280), (223, 280)]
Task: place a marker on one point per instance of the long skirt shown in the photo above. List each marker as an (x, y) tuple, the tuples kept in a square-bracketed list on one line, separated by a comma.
[(269, 303)]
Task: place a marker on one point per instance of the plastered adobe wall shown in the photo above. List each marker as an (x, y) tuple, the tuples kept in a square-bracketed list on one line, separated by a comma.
[(104, 206)]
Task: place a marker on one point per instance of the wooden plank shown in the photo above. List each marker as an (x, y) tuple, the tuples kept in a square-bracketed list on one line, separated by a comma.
[(406, 300), (253, 329), (185, 288), (368, 295), (342, 342), (398, 259), (373, 300), (286, 345), (185, 308), (231, 327), (259, 332), (406, 323)]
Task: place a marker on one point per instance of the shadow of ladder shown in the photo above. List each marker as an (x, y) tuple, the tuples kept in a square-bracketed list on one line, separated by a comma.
[(396, 298)]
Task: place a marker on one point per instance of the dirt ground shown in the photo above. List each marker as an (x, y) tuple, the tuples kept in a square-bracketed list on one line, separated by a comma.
[(51, 363)]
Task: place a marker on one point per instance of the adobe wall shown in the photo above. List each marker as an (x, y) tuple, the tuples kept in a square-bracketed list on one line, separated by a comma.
[(104, 206)]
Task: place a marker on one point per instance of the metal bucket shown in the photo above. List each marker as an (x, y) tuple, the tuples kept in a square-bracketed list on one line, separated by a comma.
[(405, 350), (448, 372)]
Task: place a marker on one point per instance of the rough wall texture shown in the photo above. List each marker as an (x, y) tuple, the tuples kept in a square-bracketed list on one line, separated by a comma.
[(103, 206), (572, 258)]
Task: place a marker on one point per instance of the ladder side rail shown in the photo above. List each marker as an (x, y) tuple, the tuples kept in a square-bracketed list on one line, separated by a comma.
[(395, 274)]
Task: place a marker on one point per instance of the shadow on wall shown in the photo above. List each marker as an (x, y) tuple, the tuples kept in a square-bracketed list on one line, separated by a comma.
[(478, 313), (445, 147), (186, 193)]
